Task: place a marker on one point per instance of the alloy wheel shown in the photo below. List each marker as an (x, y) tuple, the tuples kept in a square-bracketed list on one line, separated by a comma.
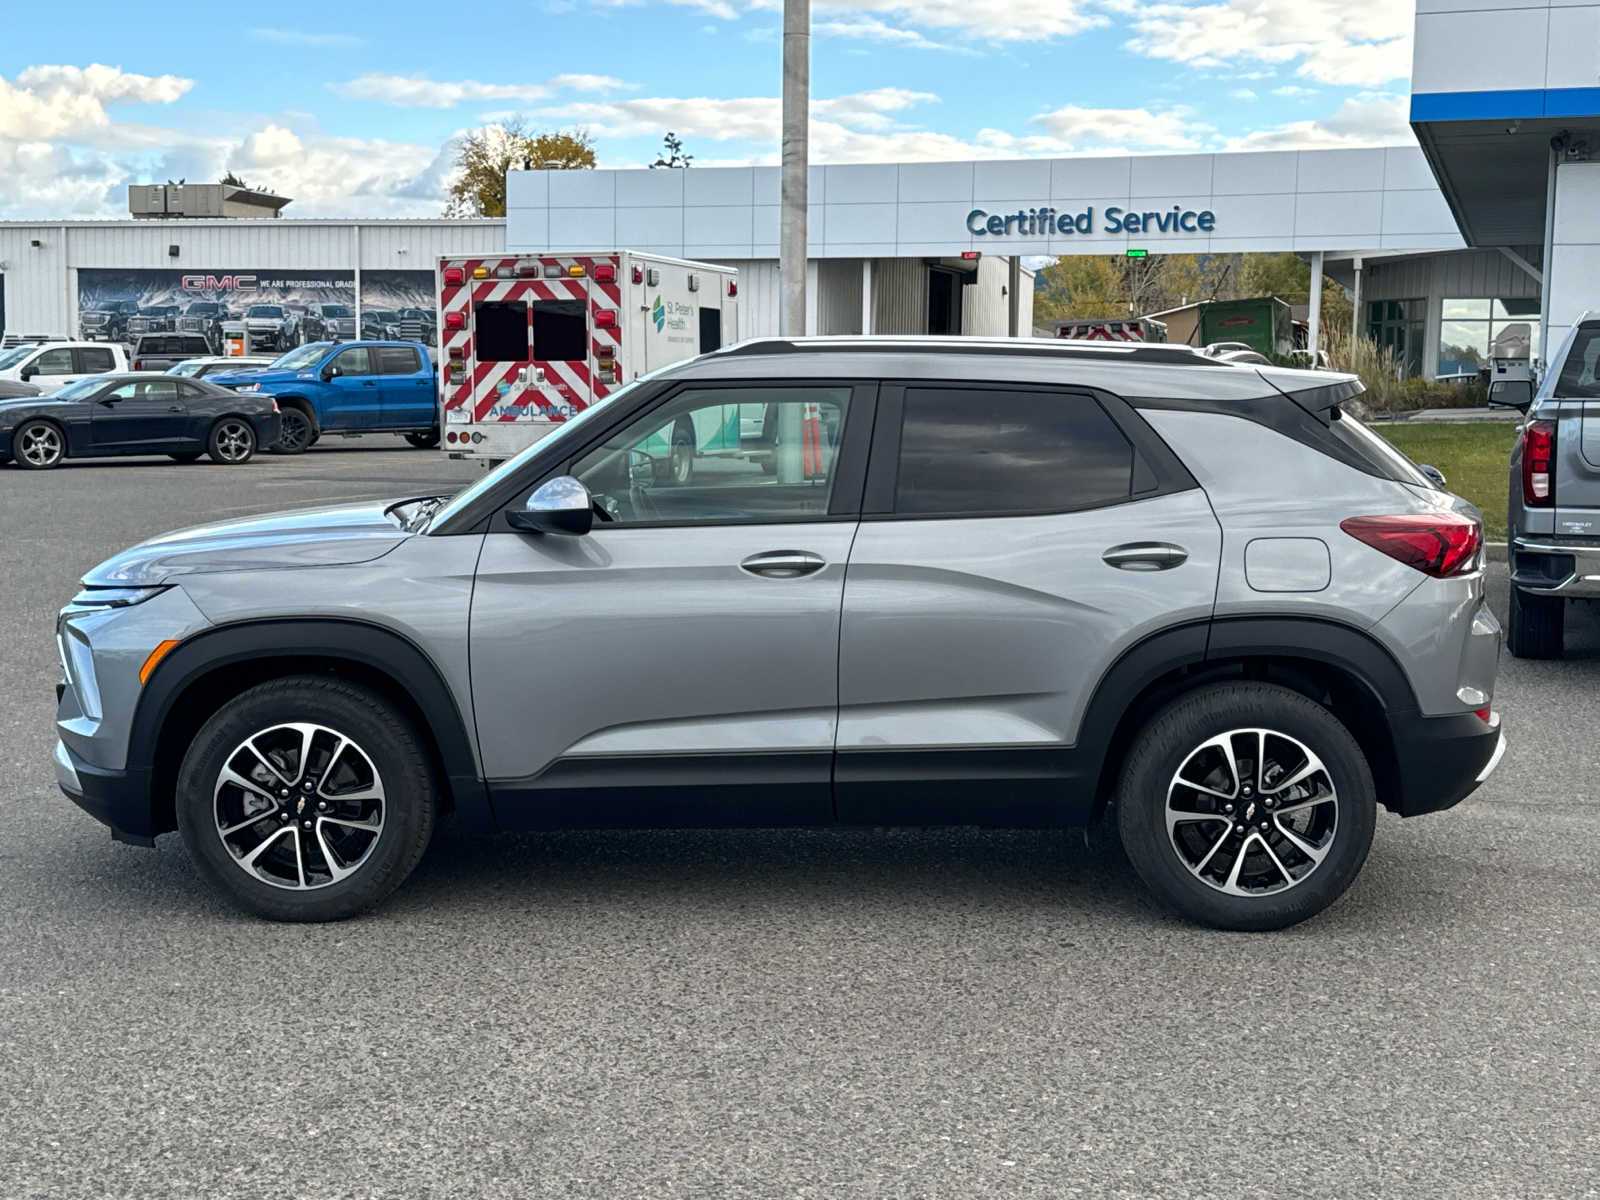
[(234, 441), (40, 445), (1252, 812), (299, 806), (295, 432)]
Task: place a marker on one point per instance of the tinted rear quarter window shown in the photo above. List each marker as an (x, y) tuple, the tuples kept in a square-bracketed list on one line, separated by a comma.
[(95, 358), (976, 451), (397, 360)]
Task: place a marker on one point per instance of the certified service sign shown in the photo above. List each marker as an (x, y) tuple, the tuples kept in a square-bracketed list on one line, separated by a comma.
[(1049, 222)]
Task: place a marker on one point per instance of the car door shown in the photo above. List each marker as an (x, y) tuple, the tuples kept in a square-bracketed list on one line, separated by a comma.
[(406, 389), (1015, 541), (52, 368), (93, 360), (354, 391), (679, 663), (139, 416)]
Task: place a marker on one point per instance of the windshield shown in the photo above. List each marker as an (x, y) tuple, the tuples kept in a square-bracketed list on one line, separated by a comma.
[(335, 310), (264, 310), (83, 387), (15, 355), (202, 310), (497, 476), (304, 356)]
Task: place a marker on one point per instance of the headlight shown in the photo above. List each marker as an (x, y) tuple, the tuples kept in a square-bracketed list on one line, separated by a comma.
[(93, 598), (247, 387)]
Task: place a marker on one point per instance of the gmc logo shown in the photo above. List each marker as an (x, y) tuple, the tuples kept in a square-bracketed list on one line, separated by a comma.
[(219, 283)]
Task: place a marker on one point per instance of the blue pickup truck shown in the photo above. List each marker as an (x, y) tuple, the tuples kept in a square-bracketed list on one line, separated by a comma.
[(347, 387)]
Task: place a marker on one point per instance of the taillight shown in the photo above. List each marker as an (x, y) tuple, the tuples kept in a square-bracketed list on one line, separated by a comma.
[(605, 318), (1538, 448), (454, 277), (137, 365), (455, 320), (1437, 544), (605, 273)]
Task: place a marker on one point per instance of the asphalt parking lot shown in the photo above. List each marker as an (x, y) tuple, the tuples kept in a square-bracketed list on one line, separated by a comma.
[(798, 1014)]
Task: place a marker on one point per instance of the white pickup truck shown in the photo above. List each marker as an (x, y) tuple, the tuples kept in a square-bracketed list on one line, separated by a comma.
[(49, 365)]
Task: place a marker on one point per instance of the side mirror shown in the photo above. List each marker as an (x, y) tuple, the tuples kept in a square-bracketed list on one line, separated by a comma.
[(329, 372), (1433, 473), (641, 469), (29, 371), (560, 505)]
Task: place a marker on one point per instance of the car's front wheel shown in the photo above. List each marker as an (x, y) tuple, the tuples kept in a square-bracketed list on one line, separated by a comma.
[(232, 442), (307, 798), (295, 431), (38, 445), (1246, 806), (424, 441), (1535, 625)]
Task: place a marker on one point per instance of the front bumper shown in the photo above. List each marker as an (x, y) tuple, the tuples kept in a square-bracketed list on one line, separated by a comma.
[(118, 799), (1443, 760), (1549, 566)]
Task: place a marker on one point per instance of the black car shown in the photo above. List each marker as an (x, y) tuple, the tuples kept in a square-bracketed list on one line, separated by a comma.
[(10, 389), (108, 321), (328, 323), (108, 415), (152, 318), (205, 317)]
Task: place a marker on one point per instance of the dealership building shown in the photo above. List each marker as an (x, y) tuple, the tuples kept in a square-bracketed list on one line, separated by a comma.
[(1491, 219)]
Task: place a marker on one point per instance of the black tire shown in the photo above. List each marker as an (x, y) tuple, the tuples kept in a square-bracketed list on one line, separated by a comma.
[(424, 441), (188, 456), (296, 431), (681, 462), (1536, 625), (382, 737), (232, 442), (38, 445), (1181, 730)]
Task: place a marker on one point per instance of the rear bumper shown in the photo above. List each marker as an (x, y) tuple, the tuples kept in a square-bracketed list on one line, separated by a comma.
[(1442, 760), (118, 799), (1548, 566)]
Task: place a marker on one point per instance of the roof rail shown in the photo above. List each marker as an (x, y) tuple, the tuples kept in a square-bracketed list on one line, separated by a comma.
[(1175, 355)]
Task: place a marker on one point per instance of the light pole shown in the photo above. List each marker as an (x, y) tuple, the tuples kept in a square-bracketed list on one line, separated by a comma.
[(792, 194)]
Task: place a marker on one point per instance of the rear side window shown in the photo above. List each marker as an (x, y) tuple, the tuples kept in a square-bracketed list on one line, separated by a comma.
[(975, 451), (1377, 455), (94, 359), (396, 360), (1580, 374), (560, 331)]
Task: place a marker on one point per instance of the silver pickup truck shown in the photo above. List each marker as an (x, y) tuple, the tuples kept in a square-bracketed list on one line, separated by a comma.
[(1553, 509)]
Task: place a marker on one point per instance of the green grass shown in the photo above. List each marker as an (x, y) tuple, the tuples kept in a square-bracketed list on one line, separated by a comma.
[(1473, 456)]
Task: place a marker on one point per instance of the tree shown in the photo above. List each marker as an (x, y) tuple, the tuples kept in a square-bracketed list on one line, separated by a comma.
[(232, 180), (483, 156), (672, 147)]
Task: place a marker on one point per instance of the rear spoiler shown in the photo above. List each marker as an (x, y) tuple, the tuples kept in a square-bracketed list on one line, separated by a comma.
[(1309, 391)]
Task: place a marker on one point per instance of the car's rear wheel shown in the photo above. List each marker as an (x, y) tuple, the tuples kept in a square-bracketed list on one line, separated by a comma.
[(1246, 806), (232, 442), (1536, 625), (424, 441), (295, 431), (186, 457), (38, 445), (306, 799)]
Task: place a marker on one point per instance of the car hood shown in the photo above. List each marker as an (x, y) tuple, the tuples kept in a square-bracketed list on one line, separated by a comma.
[(11, 405), (256, 375), (314, 537)]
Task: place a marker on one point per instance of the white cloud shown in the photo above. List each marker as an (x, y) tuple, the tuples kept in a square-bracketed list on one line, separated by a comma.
[(874, 29), (1293, 89), (48, 101), (306, 38), (418, 91), (1366, 119), (1075, 127), (1350, 42), (1242, 93)]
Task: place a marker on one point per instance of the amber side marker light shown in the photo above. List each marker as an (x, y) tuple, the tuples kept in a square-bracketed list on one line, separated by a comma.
[(154, 657)]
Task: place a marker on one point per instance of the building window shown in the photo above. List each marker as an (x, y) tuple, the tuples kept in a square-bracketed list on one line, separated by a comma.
[(1400, 326), (1473, 331)]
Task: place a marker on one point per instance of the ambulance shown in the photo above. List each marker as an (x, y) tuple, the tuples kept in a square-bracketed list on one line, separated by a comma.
[(527, 341)]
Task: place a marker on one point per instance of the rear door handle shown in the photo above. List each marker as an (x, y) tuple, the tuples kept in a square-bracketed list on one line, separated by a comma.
[(1146, 556), (783, 564), (176, 408)]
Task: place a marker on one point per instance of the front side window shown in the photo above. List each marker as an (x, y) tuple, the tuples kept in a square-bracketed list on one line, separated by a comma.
[(54, 362), (352, 362), (705, 457), (980, 452)]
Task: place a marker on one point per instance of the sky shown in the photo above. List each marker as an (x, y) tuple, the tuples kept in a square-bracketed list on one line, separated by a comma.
[(350, 108)]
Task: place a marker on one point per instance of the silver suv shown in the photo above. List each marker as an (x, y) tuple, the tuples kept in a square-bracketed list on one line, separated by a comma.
[(1554, 497), (892, 582)]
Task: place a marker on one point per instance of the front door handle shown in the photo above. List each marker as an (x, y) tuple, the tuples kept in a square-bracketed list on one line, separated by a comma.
[(783, 564), (1146, 556), (176, 408)]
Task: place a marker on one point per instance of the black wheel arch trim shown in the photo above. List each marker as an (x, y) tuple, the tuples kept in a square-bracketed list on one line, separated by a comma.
[(375, 647)]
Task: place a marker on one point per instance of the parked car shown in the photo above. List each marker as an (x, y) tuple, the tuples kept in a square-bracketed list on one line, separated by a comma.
[(161, 351), (348, 387), (152, 318), (1037, 585), (205, 317), (269, 327), (200, 368), (328, 323), (418, 325), (107, 322), (49, 365), (11, 390), (111, 415), (380, 324), (1553, 502)]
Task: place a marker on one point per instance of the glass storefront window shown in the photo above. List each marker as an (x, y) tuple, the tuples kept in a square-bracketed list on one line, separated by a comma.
[(1399, 326), (1471, 331)]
